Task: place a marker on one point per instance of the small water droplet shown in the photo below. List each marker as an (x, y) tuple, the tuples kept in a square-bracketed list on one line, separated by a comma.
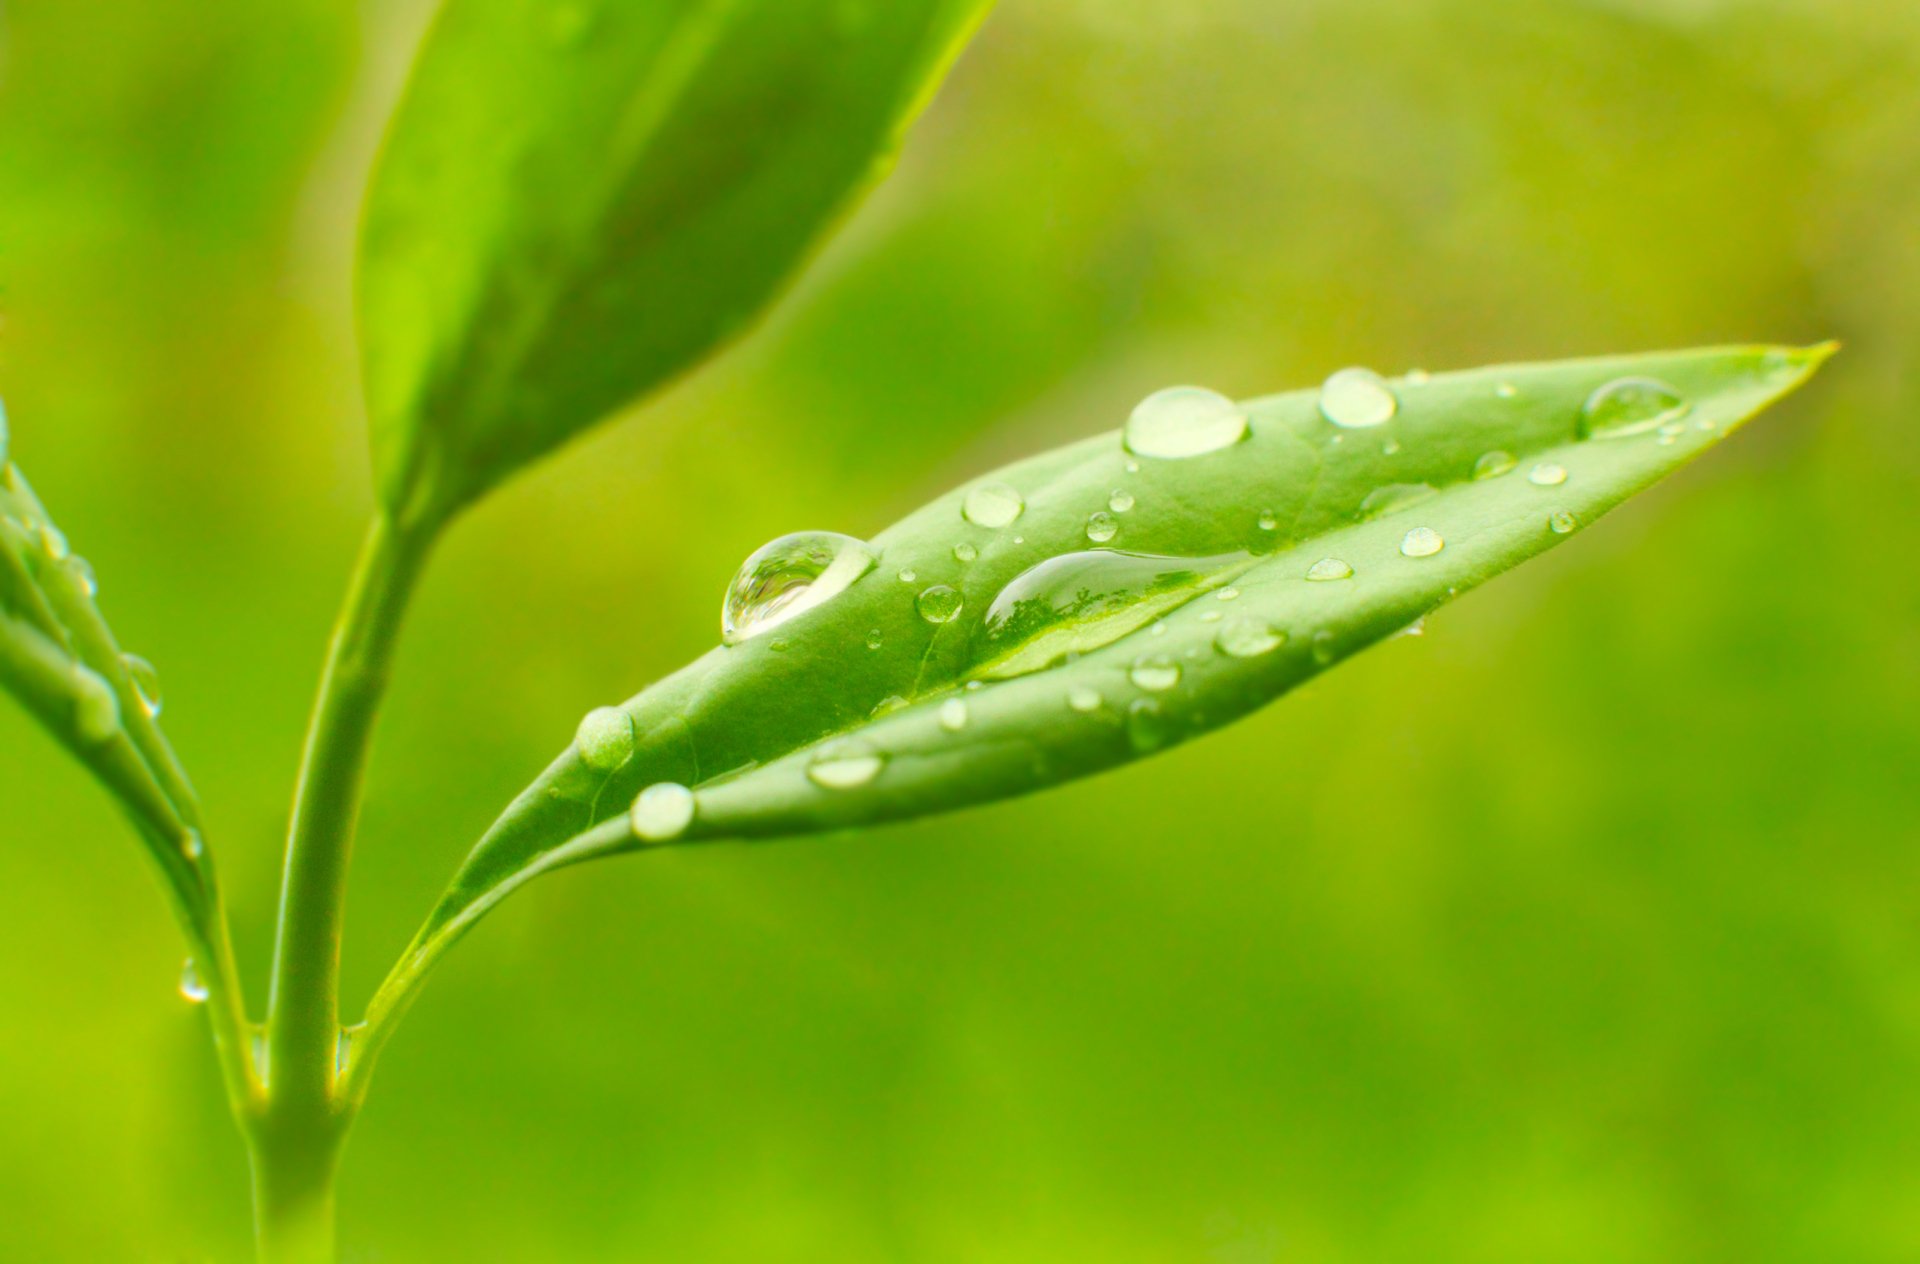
[(953, 715), (662, 812), (1506, 390), (83, 575), (1493, 464), (1630, 406), (1211, 616), (146, 683), (964, 552), (53, 542), (992, 505), (1228, 593), (1246, 637), (1133, 467), (1417, 628), (1357, 399), (1390, 448), (1329, 568), (343, 1047), (1158, 629), (1323, 647), (1421, 542), (939, 604), (874, 639), (1146, 725), (192, 986), (1184, 421), (1268, 520), (1120, 501), (892, 702), (1102, 526), (192, 846), (845, 765), (96, 711), (1548, 475), (909, 576), (1394, 497), (1562, 522), (1155, 673), (605, 739), (1083, 699), (788, 577)]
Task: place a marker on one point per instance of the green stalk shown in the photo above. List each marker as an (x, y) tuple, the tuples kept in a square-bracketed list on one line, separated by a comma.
[(297, 1136)]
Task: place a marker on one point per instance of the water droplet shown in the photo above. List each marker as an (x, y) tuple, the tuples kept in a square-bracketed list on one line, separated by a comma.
[(1133, 467), (1561, 522), (96, 711), (1184, 421), (343, 1047), (1246, 637), (52, 542), (1390, 448), (1329, 568), (146, 683), (1392, 498), (788, 577), (1421, 542), (1082, 601), (992, 505), (964, 552), (1211, 616), (1083, 699), (1323, 647), (953, 715), (1146, 726), (1493, 464), (662, 812), (939, 604), (192, 845), (1268, 520), (1357, 399), (83, 575), (1229, 593), (1121, 500), (909, 576), (778, 645), (1101, 527), (1506, 390), (1630, 406), (1158, 629), (874, 639), (1155, 673), (605, 739), (892, 702), (845, 765), (192, 986), (1548, 475), (1417, 628)]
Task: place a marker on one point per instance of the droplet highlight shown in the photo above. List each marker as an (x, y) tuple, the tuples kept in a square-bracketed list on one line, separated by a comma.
[(846, 765), (1547, 475), (1155, 673), (662, 812), (1329, 568), (939, 604), (1421, 542), (1357, 399), (1184, 421), (1102, 526), (788, 577)]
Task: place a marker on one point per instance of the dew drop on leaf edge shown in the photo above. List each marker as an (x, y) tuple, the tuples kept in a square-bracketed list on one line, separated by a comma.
[(192, 986), (146, 683), (662, 812)]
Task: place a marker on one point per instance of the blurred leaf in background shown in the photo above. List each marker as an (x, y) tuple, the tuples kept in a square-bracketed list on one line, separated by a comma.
[(1584, 930)]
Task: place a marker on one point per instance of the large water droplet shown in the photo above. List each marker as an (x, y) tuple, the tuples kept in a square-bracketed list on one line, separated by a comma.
[(662, 812), (789, 577), (1121, 501), (1244, 636), (96, 710), (1357, 399), (953, 715), (1421, 542), (1547, 475), (845, 765), (1630, 406), (1101, 527), (1184, 421), (1329, 568), (1394, 497), (146, 683), (1155, 673), (939, 604), (1493, 464), (992, 505), (604, 739), (192, 986), (1081, 601)]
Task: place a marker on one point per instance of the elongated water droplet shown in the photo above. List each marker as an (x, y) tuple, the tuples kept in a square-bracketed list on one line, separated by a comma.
[(662, 812), (1324, 647), (953, 715), (1246, 637), (1630, 406), (146, 683), (1357, 399), (992, 505), (1081, 601), (1184, 421), (1421, 542), (605, 739), (96, 711), (845, 765), (788, 577), (1329, 568), (192, 986), (1101, 527), (1547, 475), (1155, 673), (939, 604), (1493, 464), (1394, 497), (1121, 500), (1146, 725), (1084, 700), (964, 552), (1229, 593), (1562, 522)]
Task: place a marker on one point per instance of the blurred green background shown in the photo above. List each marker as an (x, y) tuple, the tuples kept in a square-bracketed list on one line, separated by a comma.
[(1585, 928)]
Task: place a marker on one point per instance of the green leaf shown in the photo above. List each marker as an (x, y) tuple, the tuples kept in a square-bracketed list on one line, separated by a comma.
[(579, 201), (1202, 605)]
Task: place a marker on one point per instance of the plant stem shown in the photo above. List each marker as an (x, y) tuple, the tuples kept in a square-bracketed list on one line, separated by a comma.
[(293, 1203), (301, 1122)]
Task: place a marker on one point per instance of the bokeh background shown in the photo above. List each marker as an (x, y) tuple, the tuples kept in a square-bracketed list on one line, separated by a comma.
[(1584, 928)]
